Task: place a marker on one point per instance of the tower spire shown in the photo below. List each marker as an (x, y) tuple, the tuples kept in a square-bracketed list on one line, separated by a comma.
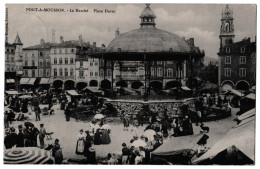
[(227, 27), (17, 40)]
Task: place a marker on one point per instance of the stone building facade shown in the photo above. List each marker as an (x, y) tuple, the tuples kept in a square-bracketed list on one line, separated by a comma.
[(237, 60)]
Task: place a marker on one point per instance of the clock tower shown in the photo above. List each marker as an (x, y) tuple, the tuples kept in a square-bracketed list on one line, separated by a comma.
[(227, 28)]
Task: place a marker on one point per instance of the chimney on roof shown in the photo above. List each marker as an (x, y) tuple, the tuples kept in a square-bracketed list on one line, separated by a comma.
[(94, 44), (61, 39), (117, 32), (42, 42)]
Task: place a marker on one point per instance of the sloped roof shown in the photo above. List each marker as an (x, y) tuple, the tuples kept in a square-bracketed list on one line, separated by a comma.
[(46, 45)]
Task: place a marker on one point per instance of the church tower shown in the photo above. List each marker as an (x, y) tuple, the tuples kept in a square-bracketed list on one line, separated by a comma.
[(227, 28)]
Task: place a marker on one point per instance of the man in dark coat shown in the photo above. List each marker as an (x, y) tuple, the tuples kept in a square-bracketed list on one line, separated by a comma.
[(34, 134), (20, 137), (67, 113), (8, 140)]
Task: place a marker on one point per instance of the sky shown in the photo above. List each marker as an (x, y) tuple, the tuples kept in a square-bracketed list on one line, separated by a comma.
[(201, 22)]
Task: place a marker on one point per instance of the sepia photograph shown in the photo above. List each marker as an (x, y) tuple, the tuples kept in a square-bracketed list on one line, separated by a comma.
[(129, 84)]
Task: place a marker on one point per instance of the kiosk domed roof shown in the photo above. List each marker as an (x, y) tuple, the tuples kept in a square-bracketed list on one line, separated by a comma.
[(148, 38)]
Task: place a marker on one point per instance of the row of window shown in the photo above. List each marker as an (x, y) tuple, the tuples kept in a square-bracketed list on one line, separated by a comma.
[(90, 64), (153, 63), (11, 50), (159, 72), (242, 49), (26, 73), (26, 57), (242, 72), (66, 73), (65, 51), (242, 60), (41, 63), (12, 58), (66, 61), (81, 73)]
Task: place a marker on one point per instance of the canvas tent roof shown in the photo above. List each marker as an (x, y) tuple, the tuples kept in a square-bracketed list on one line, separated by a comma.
[(72, 92), (10, 81), (241, 136), (176, 145), (45, 81), (251, 96), (237, 92), (92, 89), (31, 81), (24, 80), (246, 115), (12, 92), (185, 88)]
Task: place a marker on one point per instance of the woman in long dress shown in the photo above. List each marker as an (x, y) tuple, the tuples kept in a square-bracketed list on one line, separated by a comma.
[(87, 144), (97, 138), (80, 143), (105, 134)]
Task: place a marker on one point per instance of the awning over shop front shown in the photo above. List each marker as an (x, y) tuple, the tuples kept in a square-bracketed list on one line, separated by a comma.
[(24, 81), (73, 93), (31, 81), (10, 81), (45, 81)]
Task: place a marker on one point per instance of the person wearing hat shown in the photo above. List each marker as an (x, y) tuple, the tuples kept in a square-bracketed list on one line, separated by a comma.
[(42, 134), (57, 152), (80, 143), (125, 154)]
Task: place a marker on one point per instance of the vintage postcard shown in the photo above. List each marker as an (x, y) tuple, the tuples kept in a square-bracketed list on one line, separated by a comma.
[(130, 84)]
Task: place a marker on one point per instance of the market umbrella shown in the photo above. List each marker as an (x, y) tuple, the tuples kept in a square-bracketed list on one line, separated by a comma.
[(25, 97), (139, 143), (99, 116), (26, 155), (149, 134), (28, 124)]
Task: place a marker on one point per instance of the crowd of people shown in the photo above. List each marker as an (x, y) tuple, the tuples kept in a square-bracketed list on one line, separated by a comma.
[(165, 119)]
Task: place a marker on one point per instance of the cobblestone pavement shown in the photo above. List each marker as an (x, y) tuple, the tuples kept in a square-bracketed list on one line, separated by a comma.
[(67, 132)]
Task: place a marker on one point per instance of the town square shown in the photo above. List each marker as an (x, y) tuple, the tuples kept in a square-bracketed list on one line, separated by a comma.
[(130, 84)]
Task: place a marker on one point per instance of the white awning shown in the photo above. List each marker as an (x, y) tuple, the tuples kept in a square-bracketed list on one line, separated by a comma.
[(92, 89), (240, 136), (250, 96), (10, 81), (246, 115), (24, 81), (31, 81), (45, 81), (73, 93), (12, 92), (185, 88), (237, 92)]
